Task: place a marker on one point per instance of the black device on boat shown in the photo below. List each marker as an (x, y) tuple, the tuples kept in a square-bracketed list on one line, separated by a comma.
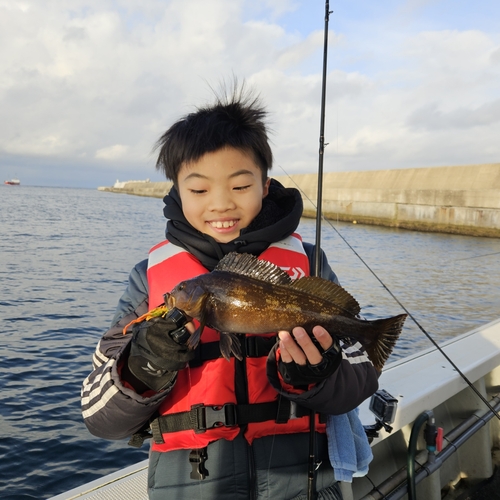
[(384, 407)]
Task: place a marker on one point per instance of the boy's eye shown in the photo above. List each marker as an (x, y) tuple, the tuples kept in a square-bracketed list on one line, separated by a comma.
[(241, 188), (198, 191)]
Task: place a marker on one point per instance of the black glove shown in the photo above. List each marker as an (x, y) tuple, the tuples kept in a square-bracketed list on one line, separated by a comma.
[(303, 375), (158, 349)]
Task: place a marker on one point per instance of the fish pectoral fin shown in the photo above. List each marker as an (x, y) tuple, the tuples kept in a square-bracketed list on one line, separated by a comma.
[(329, 291), (194, 338), (229, 343)]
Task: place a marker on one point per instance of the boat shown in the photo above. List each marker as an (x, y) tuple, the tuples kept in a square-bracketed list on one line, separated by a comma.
[(419, 390), (13, 182)]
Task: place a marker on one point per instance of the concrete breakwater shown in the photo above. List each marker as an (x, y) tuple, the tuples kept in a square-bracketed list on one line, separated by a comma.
[(460, 199), (140, 188)]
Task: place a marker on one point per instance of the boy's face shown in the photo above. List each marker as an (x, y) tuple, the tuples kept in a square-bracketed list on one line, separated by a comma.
[(221, 193)]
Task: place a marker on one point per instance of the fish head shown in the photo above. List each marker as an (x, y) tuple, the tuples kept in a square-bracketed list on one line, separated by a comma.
[(188, 296)]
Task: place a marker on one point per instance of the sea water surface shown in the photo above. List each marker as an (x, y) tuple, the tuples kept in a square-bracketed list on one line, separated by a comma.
[(65, 255)]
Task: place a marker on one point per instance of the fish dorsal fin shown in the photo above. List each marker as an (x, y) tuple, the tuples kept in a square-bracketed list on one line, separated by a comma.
[(328, 290), (248, 265)]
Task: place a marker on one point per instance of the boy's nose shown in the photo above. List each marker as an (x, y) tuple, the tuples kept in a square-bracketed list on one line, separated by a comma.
[(221, 203)]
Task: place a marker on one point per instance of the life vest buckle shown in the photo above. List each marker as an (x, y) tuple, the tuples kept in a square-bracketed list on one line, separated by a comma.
[(210, 417), (197, 459)]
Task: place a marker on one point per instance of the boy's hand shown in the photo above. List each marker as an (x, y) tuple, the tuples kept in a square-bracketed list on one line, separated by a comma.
[(158, 349), (302, 362)]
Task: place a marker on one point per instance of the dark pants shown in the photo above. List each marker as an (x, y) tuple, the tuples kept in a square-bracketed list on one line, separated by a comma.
[(273, 468)]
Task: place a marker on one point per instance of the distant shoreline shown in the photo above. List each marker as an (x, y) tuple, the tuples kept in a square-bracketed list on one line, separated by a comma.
[(457, 200)]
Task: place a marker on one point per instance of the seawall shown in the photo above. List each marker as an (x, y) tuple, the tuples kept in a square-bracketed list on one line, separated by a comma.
[(460, 199)]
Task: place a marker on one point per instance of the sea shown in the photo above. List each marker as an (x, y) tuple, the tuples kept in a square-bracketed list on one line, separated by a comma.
[(65, 256)]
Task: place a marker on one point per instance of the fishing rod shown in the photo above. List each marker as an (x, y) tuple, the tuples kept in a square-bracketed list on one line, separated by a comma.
[(319, 197), (311, 476)]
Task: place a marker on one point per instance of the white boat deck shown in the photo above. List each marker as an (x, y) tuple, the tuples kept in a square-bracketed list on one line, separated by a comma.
[(424, 381), (126, 484)]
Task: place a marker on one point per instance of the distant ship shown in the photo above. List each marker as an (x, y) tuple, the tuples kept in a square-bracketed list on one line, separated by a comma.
[(13, 182)]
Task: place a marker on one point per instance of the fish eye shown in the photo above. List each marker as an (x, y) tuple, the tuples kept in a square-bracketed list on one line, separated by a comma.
[(181, 286)]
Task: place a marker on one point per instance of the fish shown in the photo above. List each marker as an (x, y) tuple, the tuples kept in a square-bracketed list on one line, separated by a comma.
[(245, 295)]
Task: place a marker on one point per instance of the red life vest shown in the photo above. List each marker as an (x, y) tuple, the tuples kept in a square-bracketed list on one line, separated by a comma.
[(213, 383)]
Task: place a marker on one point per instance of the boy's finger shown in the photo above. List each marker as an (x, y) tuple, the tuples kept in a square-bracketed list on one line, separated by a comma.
[(290, 351), (285, 355), (323, 337), (307, 347)]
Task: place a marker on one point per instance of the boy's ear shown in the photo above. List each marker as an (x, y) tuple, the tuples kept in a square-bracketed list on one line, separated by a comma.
[(266, 187)]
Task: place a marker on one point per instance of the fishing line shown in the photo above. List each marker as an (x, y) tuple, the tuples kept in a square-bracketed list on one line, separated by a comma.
[(421, 328), (477, 256)]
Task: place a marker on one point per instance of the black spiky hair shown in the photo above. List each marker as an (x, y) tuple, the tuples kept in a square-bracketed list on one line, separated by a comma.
[(236, 119)]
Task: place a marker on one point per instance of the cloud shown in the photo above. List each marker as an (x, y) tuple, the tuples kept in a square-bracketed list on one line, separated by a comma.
[(409, 7), (276, 8), (96, 83), (495, 56), (116, 152), (429, 117)]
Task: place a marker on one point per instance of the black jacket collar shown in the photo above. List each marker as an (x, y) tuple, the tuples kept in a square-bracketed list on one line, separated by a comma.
[(279, 217)]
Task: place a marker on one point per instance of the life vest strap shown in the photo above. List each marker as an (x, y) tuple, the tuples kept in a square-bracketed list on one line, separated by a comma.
[(201, 418), (255, 346)]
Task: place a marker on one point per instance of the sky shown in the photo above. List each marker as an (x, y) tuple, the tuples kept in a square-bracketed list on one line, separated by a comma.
[(88, 86)]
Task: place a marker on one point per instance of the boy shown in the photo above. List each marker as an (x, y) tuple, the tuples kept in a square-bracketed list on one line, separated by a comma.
[(220, 429)]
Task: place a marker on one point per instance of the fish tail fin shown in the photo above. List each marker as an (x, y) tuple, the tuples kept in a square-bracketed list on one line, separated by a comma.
[(229, 343), (388, 331)]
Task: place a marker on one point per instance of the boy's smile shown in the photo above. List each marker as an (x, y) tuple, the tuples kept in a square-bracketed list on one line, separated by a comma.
[(222, 192)]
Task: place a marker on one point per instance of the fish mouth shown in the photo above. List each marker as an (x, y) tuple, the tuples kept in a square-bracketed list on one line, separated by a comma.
[(169, 300)]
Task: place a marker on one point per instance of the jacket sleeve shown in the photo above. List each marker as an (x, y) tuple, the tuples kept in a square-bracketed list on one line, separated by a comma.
[(354, 381), (110, 409)]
